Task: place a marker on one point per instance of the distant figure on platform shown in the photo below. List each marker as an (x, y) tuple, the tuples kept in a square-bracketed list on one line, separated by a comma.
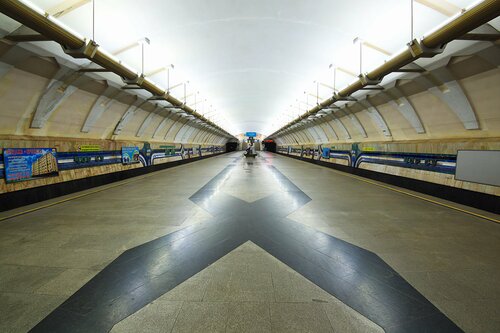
[(250, 151)]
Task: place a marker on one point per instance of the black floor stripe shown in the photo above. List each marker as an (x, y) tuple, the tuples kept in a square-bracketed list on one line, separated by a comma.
[(357, 277)]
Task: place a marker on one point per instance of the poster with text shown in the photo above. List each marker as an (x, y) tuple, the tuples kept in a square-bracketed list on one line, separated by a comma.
[(130, 155), (29, 163)]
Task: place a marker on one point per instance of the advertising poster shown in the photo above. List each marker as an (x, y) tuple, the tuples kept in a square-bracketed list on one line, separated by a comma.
[(326, 153), (130, 155), (29, 163)]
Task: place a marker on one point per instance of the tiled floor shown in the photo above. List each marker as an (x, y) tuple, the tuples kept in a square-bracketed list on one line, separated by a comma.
[(247, 290), (47, 255)]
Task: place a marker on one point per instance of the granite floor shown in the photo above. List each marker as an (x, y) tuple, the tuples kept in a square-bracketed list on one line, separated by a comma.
[(247, 290), (46, 256)]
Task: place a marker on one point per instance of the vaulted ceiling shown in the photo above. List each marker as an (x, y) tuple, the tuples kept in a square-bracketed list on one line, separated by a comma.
[(251, 61)]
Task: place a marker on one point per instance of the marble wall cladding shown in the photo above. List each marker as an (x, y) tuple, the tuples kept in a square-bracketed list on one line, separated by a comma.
[(72, 145), (448, 147)]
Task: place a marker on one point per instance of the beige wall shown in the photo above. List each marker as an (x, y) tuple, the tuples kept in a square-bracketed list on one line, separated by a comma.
[(24, 79), (71, 144), (444, 131)]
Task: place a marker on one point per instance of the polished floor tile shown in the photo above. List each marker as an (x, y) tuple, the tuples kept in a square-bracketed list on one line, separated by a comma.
[(315, 311), (401, 262)]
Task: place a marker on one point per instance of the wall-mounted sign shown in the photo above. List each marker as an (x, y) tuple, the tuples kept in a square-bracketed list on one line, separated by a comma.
[(29, 163), (147, 153), (88, 148), (251, 134), (169, 150), (325, 153), (130, 155)]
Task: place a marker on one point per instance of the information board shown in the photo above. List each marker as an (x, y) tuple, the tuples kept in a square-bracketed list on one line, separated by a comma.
[(169, 150), (29, 163), (251, 134), (325, 153), (478, 166), (130, 155), (88, 148)]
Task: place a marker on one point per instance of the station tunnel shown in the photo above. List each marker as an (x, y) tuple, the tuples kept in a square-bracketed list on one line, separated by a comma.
[(249, 166)]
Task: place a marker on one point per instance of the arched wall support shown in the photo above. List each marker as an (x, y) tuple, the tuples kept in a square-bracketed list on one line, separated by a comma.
[(187, 134), (343, 129), (180, 133), (58, 90), (145, 124), (319, 134), (200, 135), (444, 86), (301, 133), (163, 123), (102, 103), (207, 136), (403, 105), (376, 117), (189, 137), (172, 131), (329, 129), (313, 134), (128, 115), (292, 135), (290, 138), (354, 121), (319, 129)]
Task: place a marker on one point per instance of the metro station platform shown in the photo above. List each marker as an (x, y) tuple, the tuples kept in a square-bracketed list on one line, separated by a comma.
[(229, 244)]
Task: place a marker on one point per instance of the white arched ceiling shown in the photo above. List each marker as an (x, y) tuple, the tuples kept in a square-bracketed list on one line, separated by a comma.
[(250, 59)]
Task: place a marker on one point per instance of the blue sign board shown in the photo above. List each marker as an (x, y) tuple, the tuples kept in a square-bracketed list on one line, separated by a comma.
[(326, 153), (130, 155), (29, 163), (251, 134)]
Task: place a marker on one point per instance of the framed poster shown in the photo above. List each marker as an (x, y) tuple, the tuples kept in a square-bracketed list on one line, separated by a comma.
[(130, 155), (29, 163), (478, 166), (325, 153)]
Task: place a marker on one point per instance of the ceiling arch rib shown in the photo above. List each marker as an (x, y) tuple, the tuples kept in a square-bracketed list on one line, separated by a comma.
[(162, 125), (376, 117), (102, 103), (341, 126), (314, 134), (354, 120), (58, 89), (294, 137), (127, 116), (170, 133), (194, 134), (147, 121), (403, 105), (187, 134), (444, 86), (329, 130), (321, 132)]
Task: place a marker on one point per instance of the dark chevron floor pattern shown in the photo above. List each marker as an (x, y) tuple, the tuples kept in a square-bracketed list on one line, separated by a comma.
[(357, 277)]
